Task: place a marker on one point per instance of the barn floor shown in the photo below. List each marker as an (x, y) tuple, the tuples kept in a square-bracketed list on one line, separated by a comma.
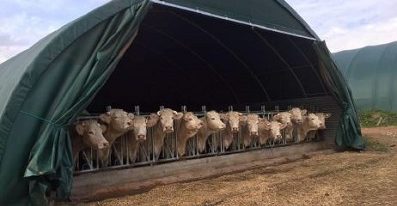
[(347, 178)]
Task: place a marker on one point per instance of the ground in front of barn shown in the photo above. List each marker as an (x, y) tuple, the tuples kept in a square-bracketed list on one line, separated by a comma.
[(346, 178)]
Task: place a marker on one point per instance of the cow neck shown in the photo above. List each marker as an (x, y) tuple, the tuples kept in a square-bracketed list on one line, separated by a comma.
[(205, 131), (133, 145), (77, 144), (158, 133), (305, 128), (111, 134), (245, 134)]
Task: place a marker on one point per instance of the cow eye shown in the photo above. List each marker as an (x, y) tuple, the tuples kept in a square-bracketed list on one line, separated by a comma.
[(212, 118), (90, 132), (190, 119)]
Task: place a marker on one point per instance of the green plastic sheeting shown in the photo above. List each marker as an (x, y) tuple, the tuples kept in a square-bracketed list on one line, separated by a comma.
[(349, 130), (371, 73), (272, 14), (44, 88)]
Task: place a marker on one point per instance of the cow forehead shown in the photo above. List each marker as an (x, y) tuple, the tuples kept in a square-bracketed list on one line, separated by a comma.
[(139, 119), (190, 114), (311, 116), (92, 124), (252, 117), (213, 114), (166, 112), (118, 113), (296, 111), (233, 114)]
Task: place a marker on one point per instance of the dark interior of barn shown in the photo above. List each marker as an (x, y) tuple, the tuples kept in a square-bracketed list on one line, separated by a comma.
[(185, 58)]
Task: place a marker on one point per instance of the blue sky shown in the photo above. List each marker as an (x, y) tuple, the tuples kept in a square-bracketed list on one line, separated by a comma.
[(344, 24)]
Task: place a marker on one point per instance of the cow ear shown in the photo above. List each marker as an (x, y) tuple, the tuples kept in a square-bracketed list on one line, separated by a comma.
[(282, 126), (304, 111), (243, 118), (223, 116), (265, 125), (178, 115), (152, 120), (327, 115), (131, 116), (80, 128), (105, 117), (276, 117), (103, 128)]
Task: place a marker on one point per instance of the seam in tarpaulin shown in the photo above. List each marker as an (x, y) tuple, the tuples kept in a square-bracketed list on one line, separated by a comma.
[(50, 122)]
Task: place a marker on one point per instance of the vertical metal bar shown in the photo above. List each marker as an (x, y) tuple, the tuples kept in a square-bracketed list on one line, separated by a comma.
[(247, 109), (204, 109), (137, 110), (108, 108), (161, 107)]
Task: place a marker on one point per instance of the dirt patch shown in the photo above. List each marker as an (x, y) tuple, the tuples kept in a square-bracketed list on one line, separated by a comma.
[(346, 178)]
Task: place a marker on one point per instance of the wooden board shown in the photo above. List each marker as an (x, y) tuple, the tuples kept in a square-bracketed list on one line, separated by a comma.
[(113, 183)]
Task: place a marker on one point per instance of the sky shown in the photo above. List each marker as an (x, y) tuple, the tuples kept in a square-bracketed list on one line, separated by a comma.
[(343, 24)]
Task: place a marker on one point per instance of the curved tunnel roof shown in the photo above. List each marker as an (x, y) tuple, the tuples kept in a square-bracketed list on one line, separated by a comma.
[(371, 73), (184, 58)]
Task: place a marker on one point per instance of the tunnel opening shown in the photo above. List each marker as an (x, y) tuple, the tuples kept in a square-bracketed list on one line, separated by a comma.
[(181, 57)]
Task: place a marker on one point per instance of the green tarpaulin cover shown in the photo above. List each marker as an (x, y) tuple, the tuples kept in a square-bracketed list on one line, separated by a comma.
[(371, 73), (44, 88)]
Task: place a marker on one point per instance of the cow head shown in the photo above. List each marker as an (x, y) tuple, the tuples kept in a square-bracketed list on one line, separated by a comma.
[(117, 119), (192, 122), (322, 117), (297, 115), (167, 117), (234, 119), (92, 133), (313, 121), (140, 125), (252, 123), (283, 117), (214, 121), (274, 128)]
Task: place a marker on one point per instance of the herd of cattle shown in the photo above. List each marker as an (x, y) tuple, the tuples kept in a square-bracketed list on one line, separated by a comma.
[(99, 134)]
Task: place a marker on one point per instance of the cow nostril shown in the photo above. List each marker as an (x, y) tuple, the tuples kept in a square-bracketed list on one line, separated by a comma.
[(105, 144)]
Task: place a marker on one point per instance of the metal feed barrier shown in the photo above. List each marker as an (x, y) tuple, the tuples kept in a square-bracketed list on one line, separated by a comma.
[(88, 161)]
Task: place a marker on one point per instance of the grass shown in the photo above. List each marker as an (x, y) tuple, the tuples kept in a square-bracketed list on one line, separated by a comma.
[(374, 145), (378, 118)]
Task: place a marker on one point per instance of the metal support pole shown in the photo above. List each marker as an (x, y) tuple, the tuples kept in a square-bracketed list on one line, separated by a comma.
[(247, 109), (137, 110), (108, 108)]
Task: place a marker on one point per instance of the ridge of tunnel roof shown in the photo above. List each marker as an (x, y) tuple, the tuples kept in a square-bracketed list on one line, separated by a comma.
[(346, 58), (288, 22), (370, 72)]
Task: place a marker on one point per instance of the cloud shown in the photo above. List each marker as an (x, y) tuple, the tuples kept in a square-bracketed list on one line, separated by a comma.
[(349, 24), (344, 24), (24, 22)]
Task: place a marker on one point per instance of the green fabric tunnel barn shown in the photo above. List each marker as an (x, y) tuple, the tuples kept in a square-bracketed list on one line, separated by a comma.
[(371, 73), (151, 53)]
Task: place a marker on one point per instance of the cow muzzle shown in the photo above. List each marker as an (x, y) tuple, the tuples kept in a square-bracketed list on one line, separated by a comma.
[(103, 145), (168, 129), (254, 133), (141, 137)]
